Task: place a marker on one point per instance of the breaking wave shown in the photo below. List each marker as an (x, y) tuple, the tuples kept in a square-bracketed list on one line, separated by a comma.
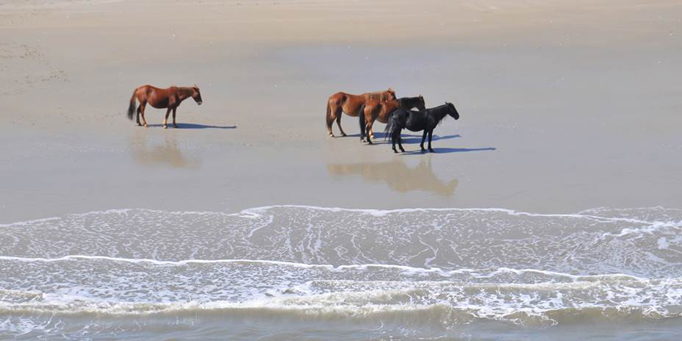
[(443, 267)]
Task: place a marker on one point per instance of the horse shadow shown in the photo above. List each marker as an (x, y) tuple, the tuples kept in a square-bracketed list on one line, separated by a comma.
[(414, 139), (385, 136), (377, 136), (437, 150), (195, 126), (380, 137)]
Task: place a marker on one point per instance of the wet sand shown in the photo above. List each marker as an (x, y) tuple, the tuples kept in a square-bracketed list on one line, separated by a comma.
[(564, 107)]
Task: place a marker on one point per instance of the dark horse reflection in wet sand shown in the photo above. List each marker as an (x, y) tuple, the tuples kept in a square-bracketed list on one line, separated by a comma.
[(169, 98), (398, 176), (426, 120)]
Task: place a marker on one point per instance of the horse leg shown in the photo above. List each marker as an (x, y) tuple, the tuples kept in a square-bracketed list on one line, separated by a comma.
[(174, 110), (400, 140), (430, 138), (368, 130), (338, 122), (142, 107), (393, 143), (165, 119), (139, 108), (423, 139), (361, 119), (393, 140)]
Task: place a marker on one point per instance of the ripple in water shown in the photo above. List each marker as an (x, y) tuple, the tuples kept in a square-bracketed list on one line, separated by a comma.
[(443, 267)]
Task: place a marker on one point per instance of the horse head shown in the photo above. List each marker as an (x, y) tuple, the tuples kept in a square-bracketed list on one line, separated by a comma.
[(452, 110), (196, 94), (421, 104), (390, 95)]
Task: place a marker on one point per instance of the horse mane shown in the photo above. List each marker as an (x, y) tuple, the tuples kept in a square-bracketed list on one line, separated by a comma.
[(378, 95), (439, 108), (408, 99), (185, 90)]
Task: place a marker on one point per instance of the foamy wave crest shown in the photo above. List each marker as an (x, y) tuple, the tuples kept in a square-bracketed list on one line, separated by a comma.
[(444, 267), (96, 285), (641, 242)]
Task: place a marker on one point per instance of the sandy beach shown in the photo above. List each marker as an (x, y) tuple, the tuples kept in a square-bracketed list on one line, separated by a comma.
[(563, 107), (566, 107)]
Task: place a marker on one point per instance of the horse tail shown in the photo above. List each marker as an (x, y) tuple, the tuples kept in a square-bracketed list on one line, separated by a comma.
[(329, 115), (131, 107)]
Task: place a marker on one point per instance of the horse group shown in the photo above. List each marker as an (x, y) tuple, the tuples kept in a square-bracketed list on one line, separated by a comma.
[(382, 106), (385, 107)]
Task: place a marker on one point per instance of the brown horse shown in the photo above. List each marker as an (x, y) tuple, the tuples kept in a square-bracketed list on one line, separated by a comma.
[(374, 110), (169, 98), (342, 102)]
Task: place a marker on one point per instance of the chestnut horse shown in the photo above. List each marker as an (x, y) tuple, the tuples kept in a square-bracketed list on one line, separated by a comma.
[(342, 102), (169, 98), (375, 110)]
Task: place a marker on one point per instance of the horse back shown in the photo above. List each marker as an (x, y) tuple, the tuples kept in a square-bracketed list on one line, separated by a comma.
[(338, 97), (377, 95), (156, 97), (150, 90), (341, 97)]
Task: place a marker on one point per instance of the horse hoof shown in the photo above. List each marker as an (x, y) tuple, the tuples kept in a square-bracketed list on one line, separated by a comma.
[(343, 134), (165, 127), (175, 126), (431, 150)]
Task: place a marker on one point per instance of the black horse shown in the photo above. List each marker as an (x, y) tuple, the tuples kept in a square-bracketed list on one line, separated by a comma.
[(412, 102), (426, 120), (376, 110)]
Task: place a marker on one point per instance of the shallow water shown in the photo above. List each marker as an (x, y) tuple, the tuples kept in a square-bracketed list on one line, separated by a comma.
[(285, 272)]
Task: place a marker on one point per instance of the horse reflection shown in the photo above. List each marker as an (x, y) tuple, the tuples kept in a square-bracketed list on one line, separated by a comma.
[(398, 176), (166, 154)]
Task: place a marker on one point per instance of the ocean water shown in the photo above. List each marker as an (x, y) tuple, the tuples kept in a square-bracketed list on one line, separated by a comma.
[(299, 272)]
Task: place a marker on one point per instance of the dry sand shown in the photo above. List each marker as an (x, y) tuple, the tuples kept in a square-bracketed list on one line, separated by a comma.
[(564, 105)]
